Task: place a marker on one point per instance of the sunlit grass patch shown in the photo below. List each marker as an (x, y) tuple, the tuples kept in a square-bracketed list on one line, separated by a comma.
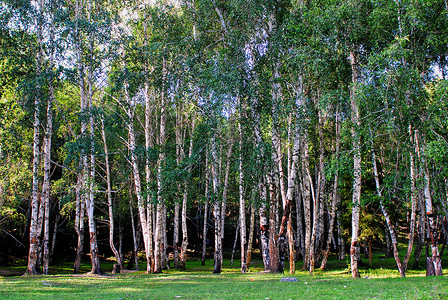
[(198, 282)]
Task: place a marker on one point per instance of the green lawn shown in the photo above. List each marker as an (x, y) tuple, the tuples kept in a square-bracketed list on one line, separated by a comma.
[(198, 283)]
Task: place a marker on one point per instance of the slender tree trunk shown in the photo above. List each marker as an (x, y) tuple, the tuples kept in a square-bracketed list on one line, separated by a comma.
[(335, 202), (179, 158), (237, 230), (421, 228), (160, 224), (46, 193), (35, 231), (148, 210), (46, 186), (226, 186), (341, 242), (147, 213), (242, 206), (274, 258), (82, 177), (251, 234), (90, 204), (285, 225), (55, 231), (176, 235), (292, 258), (413, 202), (356, 124), (275, 185), (289, 233), (306, 198), (386, 216), (263, 189), (183, 252), (204, 231), (204, 234), (109, 199), (264, 228), (79, 224), (217, 208), (321, 181), (137, 184), (312, 248), (434, 264), (165, 257), (134, 236), (300, 236), (158, 247)]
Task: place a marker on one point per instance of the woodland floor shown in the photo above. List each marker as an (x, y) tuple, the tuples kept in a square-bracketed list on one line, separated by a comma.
[(381, 281)]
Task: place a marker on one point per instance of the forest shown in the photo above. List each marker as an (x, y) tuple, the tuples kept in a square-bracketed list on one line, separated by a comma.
[(153, 133)]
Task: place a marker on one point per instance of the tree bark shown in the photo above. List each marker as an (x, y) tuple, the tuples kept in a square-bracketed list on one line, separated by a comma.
[(335, 200), (356, 124), (386, 216), (35, 231), (145, 223), (242, 206), (179, 158), (134, 236), (300, 234), (176, 235), (434, 265), (237, 230), (183, 252), (341, 242), (79, 224), (251, 234), (413, 200), (264, 228), (275, 185), (46, 187), (204, 231), (217, 207), (109, 199), (306, 198)]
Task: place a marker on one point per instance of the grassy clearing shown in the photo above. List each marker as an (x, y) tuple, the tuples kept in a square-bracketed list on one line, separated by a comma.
[(229, 285), (198, 283)]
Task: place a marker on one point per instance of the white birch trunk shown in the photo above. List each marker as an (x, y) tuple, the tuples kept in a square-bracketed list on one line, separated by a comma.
[(79, 223), (217, 206), (137, 182), (183, 251), (90, 199), (335, 200), (109, 199), (180, 155), (356, 123), (414, 198), (434, 263), (242, 205), (264, 227), (35, 231), (134, 235), (159, 234), (276, 187), (46, 192), (389, 224), (207, 191), (251, 234)]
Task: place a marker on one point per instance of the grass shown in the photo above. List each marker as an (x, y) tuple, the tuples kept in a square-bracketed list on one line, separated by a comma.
[(197, 282)]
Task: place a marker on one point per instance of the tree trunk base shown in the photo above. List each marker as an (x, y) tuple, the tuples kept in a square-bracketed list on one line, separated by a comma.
[(434, 266), (116, 269)]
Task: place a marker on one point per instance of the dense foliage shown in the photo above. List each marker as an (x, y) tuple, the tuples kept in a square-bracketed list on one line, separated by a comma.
[(309, 127)]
